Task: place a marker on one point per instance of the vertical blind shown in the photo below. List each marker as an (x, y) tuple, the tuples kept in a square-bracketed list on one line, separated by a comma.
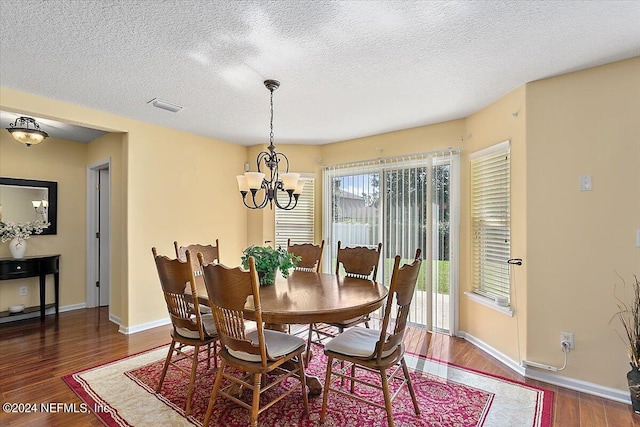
[(491, 221), (296, 224), (397, 201)]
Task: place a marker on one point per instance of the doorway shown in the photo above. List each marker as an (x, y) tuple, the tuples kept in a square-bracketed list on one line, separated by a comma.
[(98, 235)]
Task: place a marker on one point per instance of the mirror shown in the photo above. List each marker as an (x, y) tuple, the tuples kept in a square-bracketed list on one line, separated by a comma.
[(23, 200)]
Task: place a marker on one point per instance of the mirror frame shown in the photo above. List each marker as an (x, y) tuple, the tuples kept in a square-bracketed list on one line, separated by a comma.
[(52, 188)]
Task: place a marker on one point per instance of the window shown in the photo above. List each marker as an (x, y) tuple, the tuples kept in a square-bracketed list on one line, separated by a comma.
[(490, 222), (296, 224)]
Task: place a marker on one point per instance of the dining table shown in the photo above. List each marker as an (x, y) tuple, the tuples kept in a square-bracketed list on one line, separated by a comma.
[(309, 297)]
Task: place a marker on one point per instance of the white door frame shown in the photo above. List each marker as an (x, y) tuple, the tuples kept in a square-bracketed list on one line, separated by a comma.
[(93, 172)]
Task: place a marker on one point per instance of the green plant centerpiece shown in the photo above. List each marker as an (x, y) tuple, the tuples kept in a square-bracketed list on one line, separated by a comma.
[(629, 315), (268, 261)]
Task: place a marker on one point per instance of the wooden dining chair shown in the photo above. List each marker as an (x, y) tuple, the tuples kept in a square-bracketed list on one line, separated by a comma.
[(256, 353), (209, 253), (310, 260), (310, 255), (190, 327), (360, 262), (376, 350)]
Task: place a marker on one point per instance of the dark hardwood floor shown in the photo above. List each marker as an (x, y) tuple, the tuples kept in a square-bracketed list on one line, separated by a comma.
[(34, 356)]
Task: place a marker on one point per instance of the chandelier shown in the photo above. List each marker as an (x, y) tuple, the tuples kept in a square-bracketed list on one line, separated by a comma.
[(27, 131), (288, 184)]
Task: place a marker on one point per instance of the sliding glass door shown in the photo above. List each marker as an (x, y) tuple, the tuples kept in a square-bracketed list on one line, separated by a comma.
[(406, 204)]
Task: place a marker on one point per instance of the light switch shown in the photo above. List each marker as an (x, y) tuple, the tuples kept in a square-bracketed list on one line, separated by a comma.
[(585, 183)]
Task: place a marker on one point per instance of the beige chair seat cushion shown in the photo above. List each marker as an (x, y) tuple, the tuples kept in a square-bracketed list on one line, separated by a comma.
[(278, 344), (357, 342), (204, 309), (209, 328)]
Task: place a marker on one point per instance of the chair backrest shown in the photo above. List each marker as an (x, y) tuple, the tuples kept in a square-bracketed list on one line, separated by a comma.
[(359, 261), (401, 288), (310, 255), (175, 275), (228, 290), (210, 254)]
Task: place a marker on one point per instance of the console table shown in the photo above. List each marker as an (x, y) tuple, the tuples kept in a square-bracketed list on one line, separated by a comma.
[(32, 266)]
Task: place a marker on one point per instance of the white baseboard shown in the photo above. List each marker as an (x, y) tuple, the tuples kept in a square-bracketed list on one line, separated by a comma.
[(115, 319), (72, 307), (143, 327), (550, 377), (511, 364), (610, 393)]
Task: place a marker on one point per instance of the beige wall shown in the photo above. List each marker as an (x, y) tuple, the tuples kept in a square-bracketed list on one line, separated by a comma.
[(175, 188), (109, 147), (503, 120), (584, 123), (415, 140), (64, 162)]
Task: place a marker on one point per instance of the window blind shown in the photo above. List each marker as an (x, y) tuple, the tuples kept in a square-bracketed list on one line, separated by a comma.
[(296, 224), (491, 221)]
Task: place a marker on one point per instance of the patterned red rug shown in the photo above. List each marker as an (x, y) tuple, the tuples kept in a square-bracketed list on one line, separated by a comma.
[(123, 393)]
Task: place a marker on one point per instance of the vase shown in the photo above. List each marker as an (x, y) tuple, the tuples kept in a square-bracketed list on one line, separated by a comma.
[(17, 246), (267, 277), (633, 378)]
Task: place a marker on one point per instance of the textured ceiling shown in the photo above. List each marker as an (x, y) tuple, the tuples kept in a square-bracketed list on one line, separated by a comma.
[(348, 68)]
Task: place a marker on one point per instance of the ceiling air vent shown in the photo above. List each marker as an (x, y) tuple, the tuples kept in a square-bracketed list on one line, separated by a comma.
[(159, 103)]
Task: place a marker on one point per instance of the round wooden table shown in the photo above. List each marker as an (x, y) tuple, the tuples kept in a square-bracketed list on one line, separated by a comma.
[(306, 297)]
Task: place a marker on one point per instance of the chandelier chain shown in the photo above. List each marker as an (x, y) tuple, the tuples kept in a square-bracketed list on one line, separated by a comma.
[(271, 121)]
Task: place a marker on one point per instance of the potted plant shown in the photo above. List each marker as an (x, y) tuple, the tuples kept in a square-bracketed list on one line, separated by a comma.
[(268, 260), (629, 316)]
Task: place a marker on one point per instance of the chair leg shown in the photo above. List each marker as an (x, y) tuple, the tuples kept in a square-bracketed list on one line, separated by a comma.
[(353, 375), (166, 365), (214, 394), (410, 386), (387, 398), (303, 384), (325, 392), (192, 380), (255, 403)]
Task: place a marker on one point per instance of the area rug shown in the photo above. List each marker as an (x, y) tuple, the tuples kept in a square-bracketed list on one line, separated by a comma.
[(122, 392)]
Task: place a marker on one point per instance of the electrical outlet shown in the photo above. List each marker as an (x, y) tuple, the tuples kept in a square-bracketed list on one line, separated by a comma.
[(24, 291), (568, 337)]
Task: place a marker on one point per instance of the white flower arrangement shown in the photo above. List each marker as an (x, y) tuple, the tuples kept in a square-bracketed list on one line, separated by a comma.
[(11, 230)]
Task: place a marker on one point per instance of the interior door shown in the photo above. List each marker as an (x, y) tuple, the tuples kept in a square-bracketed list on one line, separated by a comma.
[(103, 281)]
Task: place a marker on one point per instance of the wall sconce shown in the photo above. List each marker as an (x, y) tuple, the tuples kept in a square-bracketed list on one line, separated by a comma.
[(41, 206), (27, 131)]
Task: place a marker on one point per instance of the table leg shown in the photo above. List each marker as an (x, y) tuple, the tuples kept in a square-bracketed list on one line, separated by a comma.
[(56, 288), (313, 383), (42, 296)]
